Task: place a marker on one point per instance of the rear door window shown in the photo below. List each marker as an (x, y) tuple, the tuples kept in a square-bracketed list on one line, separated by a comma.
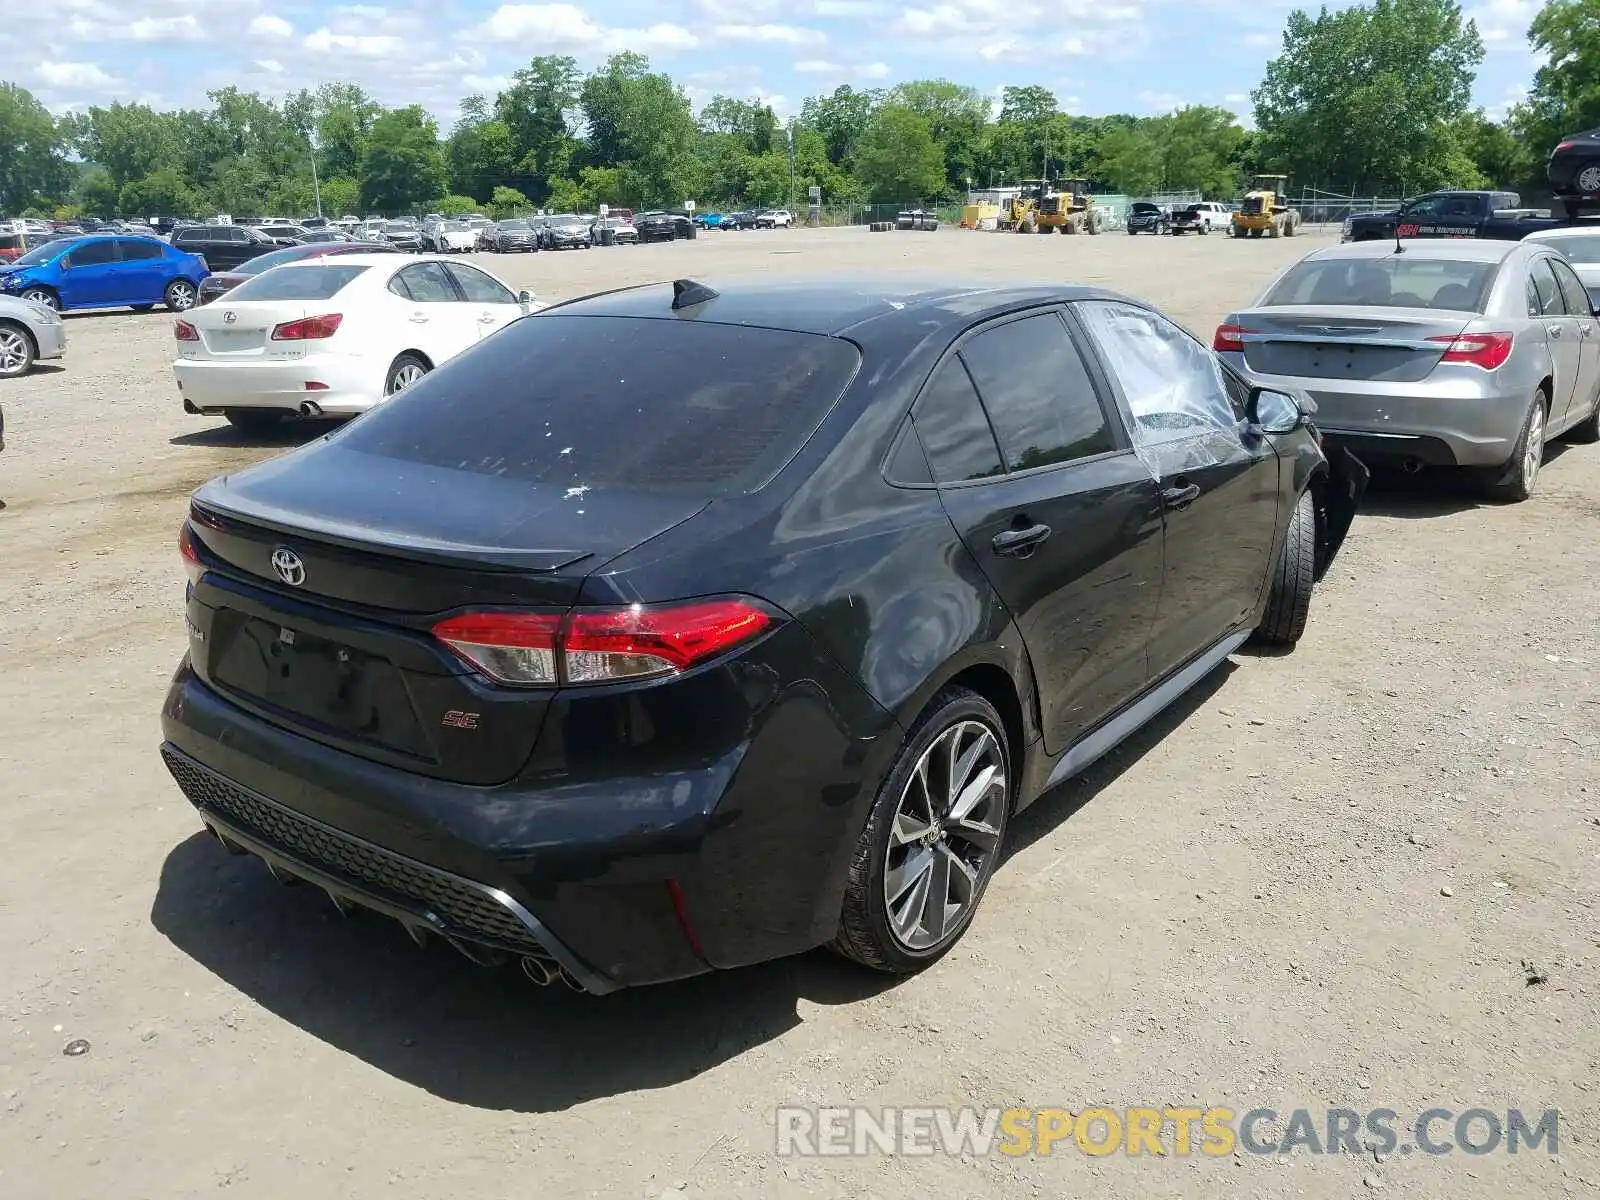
[(297, 283), (954, 431), (635, 404), (1573, 298), (1546, 289), (136, 249), (1038, 393)]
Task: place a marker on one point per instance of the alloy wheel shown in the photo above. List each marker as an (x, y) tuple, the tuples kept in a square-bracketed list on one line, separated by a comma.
[(946, 830), (1533, 452), (405, 376), (180, 297), (40, 296), (13, 351)]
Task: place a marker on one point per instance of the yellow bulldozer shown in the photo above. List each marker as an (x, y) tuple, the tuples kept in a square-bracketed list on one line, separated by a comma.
[(1043, 207), (1265, 210)]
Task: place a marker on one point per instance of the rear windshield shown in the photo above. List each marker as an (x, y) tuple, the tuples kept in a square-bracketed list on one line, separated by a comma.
[(274, 258), (297, 283), (1394, 281), (1584, 249), (618, 402)]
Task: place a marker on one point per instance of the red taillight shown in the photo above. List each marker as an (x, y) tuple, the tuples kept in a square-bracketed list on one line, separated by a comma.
[(601, 645), (192, 565), (1560, 146), (185, 332), (1485, 350), (1229, 337), (308, 329)]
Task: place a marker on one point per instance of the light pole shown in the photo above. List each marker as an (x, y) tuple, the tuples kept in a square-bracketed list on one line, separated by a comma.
[(791, 164), (316, 187)]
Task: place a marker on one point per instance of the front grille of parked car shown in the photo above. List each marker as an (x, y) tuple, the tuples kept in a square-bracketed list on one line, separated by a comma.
[(462, 906)]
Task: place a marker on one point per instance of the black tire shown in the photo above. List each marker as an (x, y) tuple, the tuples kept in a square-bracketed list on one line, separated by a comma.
[(864, 933), (1515, 482), (255, 420), (1587, 431), (1289, 601), (17, 351), (41, 295), (180, 296), (1133, 233)]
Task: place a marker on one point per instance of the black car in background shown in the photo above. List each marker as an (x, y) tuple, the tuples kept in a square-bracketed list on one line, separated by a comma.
[(892, 561), (224, 247), (1145, 217), (663, 226), (220, 283)]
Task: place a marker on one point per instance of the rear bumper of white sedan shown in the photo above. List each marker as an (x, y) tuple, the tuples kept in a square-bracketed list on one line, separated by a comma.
[(334, 386)]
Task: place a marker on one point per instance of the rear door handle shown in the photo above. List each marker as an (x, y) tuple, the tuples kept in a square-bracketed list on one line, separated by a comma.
[(1553, 330), (486, 319), (1019, 543), (418, 319), (1179, 498)]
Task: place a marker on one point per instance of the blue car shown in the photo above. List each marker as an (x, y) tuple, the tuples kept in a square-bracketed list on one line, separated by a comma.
[(106, 272), (707, 220)]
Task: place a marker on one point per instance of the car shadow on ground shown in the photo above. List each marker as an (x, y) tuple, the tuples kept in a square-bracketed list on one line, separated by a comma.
[(47, 368), (1063, 802), (486, 1038), (295, 432), (491, 1039)]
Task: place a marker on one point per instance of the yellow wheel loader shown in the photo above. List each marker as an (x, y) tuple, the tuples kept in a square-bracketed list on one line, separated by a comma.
[(1265, 211), (1042, 207)]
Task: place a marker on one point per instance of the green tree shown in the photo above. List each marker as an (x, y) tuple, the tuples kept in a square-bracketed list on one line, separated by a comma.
[(956, 117), (456, 206), (480, 152), (163, 192), (341, 195), (1200, 149), (898, 158), (842, 119), (1498, 158), (1129, 158), (1368, 98), (1565, 96), (508, 202), (344, 114), (402, 166), (129, 140), (97, 193), (640, 121), (566, 196), (537, 109), (33, 146)]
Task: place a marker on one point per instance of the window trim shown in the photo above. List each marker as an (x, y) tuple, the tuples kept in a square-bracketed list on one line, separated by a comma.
[(449, 278), (1558, 264), (1533, 278), (1116, 422), (450, 269)]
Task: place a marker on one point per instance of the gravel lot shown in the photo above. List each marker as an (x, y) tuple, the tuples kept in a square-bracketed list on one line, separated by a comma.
[(1312, 884)]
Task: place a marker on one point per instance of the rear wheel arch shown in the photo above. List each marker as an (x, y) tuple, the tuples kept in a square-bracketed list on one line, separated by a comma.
[(994, 684)]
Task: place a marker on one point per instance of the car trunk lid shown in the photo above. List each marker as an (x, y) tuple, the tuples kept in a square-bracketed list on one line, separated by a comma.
[(242, 329), (329, 568), (1391, 345)]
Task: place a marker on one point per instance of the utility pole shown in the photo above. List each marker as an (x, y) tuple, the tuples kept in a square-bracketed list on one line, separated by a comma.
[(316, 187), (791, 164)]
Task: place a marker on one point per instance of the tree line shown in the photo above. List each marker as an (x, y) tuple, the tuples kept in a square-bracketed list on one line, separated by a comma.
[(1368, 100)]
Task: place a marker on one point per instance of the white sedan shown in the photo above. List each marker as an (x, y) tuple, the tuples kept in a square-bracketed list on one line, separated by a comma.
[(334, 336), (445, 237)]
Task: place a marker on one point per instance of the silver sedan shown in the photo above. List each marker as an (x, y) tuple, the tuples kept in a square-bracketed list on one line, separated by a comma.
[(1447, 353), (28, 333)]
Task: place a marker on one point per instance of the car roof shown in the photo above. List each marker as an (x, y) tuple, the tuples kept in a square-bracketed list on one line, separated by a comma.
[(1448, 249), (1589, 229), (832, 305)]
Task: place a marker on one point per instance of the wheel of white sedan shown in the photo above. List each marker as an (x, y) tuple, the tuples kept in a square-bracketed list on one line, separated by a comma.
[(404, 372)]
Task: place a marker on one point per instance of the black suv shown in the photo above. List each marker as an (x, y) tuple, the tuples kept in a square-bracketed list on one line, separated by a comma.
[(879, 566), (663, 226), (1144, 217), (222, 246)]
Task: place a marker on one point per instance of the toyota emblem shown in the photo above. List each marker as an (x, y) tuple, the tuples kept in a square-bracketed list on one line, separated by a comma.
[(288, 567), (229, 317)]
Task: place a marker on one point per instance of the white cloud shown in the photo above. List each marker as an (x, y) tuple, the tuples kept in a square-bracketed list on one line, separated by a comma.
[(1161, 102), (1503, 24), (74, 75), (846, 8), (789, 35), (1023, 30), (816, 66), (271, 27), (270, 65), (374, 45), (551, 27), (1236, 98), (1263, 41), (183, 28), (1514, 94), (875, 70)]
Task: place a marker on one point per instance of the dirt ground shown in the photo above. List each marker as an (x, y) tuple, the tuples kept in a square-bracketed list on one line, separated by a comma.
[(1315, 883)]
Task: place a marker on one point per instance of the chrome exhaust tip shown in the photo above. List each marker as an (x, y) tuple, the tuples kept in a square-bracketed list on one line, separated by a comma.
[(1411, 466), (540, 970), (310, 408), (571, 981)]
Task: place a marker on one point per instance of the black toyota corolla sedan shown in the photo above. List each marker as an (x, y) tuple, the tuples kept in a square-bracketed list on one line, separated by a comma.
[(687, 626)]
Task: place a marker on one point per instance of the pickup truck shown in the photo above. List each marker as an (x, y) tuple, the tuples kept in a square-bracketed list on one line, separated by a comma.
[(1493, 215)]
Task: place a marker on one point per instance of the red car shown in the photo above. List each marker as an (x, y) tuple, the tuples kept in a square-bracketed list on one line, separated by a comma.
[(221, 283)]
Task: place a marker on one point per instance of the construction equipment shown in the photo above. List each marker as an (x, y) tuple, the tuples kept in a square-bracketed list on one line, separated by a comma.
[(1265, 209), (1043, 207)]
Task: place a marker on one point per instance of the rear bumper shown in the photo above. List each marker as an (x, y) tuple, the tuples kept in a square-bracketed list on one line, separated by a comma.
[(579, 866), (51, 339), (213, 386)]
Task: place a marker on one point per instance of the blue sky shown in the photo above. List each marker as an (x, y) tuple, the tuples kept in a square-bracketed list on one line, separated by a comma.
[(1140, 56)]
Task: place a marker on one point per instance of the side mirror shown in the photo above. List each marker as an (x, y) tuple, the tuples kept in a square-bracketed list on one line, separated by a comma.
[(526, 299), (1272, 411)]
